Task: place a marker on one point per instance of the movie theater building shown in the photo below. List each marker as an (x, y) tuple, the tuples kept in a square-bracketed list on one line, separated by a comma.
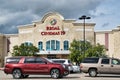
[(52, 35)]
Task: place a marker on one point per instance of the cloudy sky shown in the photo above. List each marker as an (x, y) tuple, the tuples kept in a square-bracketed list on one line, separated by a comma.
[(105, 13)]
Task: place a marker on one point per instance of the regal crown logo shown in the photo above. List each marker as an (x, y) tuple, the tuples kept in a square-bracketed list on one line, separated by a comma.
[(53, 21)]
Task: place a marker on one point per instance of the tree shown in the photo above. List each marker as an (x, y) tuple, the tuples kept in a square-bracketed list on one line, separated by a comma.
[(77, 50), (96, 51), (24, 50)]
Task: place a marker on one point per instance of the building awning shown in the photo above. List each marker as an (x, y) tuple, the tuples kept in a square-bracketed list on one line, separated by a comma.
[(54, 52)]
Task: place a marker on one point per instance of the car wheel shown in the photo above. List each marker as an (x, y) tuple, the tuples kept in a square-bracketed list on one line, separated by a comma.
[(55, 73), (92, 72), (17, 74)]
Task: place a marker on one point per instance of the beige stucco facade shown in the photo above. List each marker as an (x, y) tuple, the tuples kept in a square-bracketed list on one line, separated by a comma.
[(13, 40), (52, 27), (111, 39)]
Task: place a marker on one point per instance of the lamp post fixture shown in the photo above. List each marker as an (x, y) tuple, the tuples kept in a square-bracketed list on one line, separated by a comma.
[(84, 17)]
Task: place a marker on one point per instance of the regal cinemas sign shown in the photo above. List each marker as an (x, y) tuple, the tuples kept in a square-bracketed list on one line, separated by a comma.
[(53, 30)]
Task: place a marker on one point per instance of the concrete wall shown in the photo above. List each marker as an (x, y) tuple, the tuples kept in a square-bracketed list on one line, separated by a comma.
[(113, 41), (1, 48)]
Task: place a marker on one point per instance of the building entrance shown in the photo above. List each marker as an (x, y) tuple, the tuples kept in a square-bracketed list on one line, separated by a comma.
[(51, 56)]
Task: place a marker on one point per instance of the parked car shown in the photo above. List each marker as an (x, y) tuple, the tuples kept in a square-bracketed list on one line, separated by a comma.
[(22, 67), (95, 66), (76, 68), (64, 61)]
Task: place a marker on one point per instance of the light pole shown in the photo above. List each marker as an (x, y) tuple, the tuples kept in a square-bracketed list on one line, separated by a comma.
[(84, 17)]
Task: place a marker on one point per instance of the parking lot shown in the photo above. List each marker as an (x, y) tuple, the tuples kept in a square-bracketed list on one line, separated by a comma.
[(73, 76)]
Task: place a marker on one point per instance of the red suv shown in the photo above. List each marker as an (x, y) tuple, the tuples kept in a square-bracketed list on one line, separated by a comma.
[(22, 67)]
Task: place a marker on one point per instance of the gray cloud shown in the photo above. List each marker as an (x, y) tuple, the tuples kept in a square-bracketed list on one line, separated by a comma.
[(105, 24), (20, 12)]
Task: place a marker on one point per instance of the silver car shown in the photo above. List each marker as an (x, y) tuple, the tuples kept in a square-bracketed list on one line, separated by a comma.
[(64, 61)]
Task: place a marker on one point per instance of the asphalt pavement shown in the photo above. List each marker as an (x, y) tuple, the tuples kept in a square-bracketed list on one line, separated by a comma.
[(73, 76)]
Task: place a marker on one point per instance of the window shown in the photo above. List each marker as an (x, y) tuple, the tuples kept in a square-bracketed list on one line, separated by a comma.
[(52, 45), (28, 43), (115, 62), (105, 61), (57, 45), (29, 60), (12, 60), (66, 45), (39, 60), (69, 61), (90, 60), (40, 45), (48, 45), (58, 61)]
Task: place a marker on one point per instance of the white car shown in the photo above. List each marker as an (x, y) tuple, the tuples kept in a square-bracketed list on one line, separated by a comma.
[(76, 68), (64, 61)]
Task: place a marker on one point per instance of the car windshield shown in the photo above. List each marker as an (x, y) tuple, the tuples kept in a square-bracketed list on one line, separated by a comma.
[(69, 62), (49, 60)]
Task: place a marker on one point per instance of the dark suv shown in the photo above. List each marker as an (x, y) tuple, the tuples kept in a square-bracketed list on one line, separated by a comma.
[(22, 67)]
